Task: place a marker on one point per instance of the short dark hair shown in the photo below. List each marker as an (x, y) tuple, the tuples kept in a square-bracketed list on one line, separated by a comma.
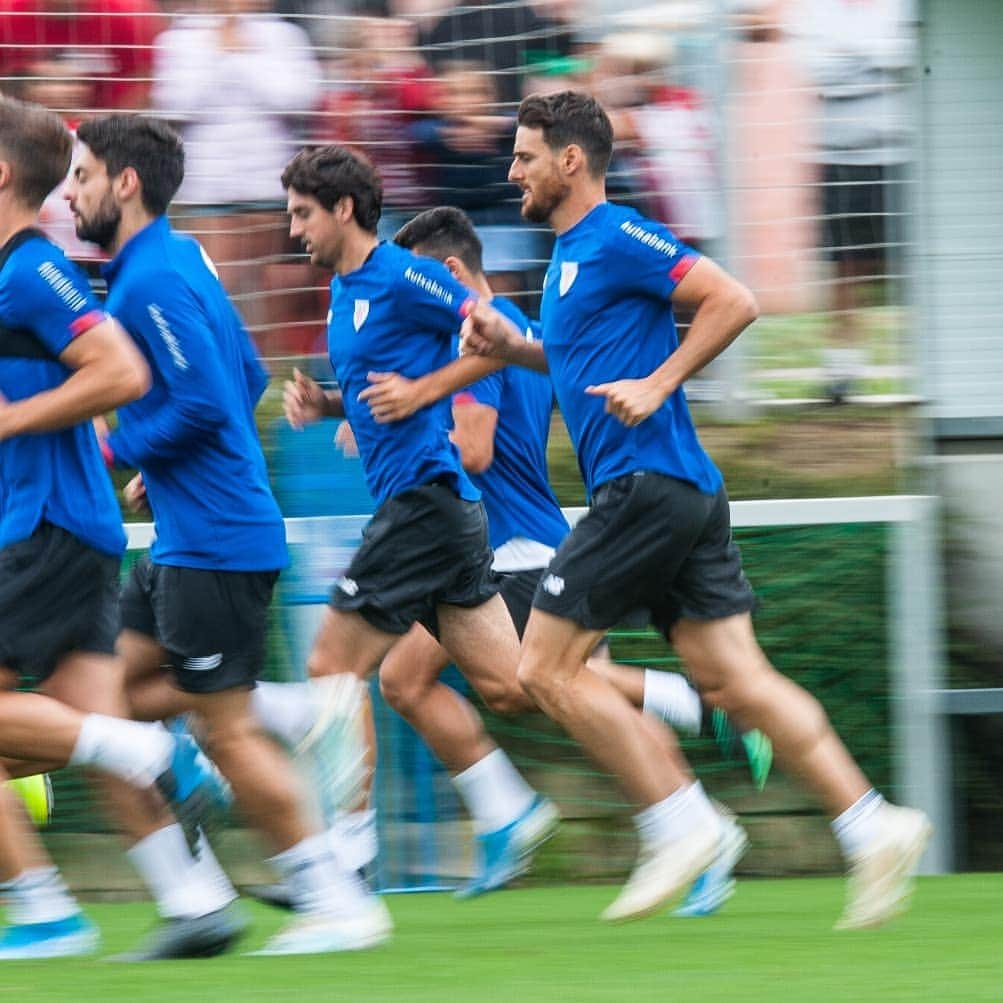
[(571, 117), (148, 145), (329, 173), (441, 233), (38, 146)]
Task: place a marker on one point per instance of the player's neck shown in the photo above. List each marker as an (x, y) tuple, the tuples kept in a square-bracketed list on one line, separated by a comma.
[(134, 219), (15, 218), (578, 204), (355, 251)]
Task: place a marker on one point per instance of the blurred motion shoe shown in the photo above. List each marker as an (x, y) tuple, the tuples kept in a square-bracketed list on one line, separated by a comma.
[(327, 934), (194, 787), (507, 852), (190, 937), (334, 751), (716, 885), (63, 938), (754, 745), (663, 871), (277, 895), (881, 875)]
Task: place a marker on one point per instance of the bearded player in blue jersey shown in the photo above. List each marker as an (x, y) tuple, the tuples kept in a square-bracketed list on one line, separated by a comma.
[(199, 602), (63, 360), (501, 427), (657, 535)]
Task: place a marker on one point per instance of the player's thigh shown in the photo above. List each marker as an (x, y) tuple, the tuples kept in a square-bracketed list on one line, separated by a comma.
[(347, 642), (142, 656), (90, 682), (555, 649), (411, 666), (721, 655), (485, 646)]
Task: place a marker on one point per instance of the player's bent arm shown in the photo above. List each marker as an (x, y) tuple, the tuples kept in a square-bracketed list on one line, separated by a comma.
[(459, 373), (108, 371), (724, 308), (487, 332), (473, 434)]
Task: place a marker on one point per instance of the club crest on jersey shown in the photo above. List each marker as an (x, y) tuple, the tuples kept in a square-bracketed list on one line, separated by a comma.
[(361, 313), (569, 272)]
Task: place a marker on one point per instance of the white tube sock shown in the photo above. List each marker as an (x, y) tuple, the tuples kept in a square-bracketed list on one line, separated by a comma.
[(858, 825), (285, 710), (318, 883), (38, 895), (183, 886), (132, 750), (493, 791), (674, 817), (669, 696)]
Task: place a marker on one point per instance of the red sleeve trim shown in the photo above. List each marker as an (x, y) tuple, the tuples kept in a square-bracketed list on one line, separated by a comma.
[(106, 452), (86, 321), (465, 397), (681, 267), (467, 305)]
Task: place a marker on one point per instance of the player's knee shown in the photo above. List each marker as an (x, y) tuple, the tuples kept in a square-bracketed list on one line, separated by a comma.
[(534, 680), (507, 699), (402, 692)]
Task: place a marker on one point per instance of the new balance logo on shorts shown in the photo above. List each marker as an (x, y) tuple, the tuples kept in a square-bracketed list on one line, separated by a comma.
[(348, 585), (553, 584), (203, 663)]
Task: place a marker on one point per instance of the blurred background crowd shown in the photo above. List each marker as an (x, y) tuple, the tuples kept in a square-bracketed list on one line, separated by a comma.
[(773, 134)]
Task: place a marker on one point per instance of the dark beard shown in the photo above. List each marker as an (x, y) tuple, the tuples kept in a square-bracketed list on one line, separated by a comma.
[(547, 200), (102, 227)]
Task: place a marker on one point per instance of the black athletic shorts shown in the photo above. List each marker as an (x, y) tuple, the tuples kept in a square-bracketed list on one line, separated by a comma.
[(648, 543), (422, 548), (57, 596), (212, 624), (517, 588)]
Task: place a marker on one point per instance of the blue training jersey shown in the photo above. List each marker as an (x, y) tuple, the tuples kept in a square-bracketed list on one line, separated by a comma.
[(516, 486), (193, 436), (606, 316), (57, 477), (398, 313)]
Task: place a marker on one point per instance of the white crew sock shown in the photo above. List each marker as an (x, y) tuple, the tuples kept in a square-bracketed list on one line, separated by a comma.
[(318, 883), (38, 895), (493, 791), (136, 752), (285, 710), (676, 816), (353, 838), (668, 695), (858, 825), (183, 886)]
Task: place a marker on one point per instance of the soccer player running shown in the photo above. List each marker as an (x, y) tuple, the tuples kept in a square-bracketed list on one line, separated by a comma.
[(657, 535), (501, 427), (425, 556), (63, 360), (199, 601)]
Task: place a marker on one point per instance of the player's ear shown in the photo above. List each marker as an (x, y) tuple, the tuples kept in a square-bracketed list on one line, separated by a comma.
[(6, 174), (573, 159), (454, 265), (127, 184)]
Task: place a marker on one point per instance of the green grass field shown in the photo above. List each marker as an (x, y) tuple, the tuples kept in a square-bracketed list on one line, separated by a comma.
[(773, 942)]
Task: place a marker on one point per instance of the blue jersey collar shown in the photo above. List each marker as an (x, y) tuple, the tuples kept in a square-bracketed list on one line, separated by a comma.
[(150, 234)]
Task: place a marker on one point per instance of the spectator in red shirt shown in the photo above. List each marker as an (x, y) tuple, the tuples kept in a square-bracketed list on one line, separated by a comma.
[(111, 40)]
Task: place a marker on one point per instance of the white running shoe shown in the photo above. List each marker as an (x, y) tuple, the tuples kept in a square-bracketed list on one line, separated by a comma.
[(663, 871), (324, 934), (881, 875), (333, 752)]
